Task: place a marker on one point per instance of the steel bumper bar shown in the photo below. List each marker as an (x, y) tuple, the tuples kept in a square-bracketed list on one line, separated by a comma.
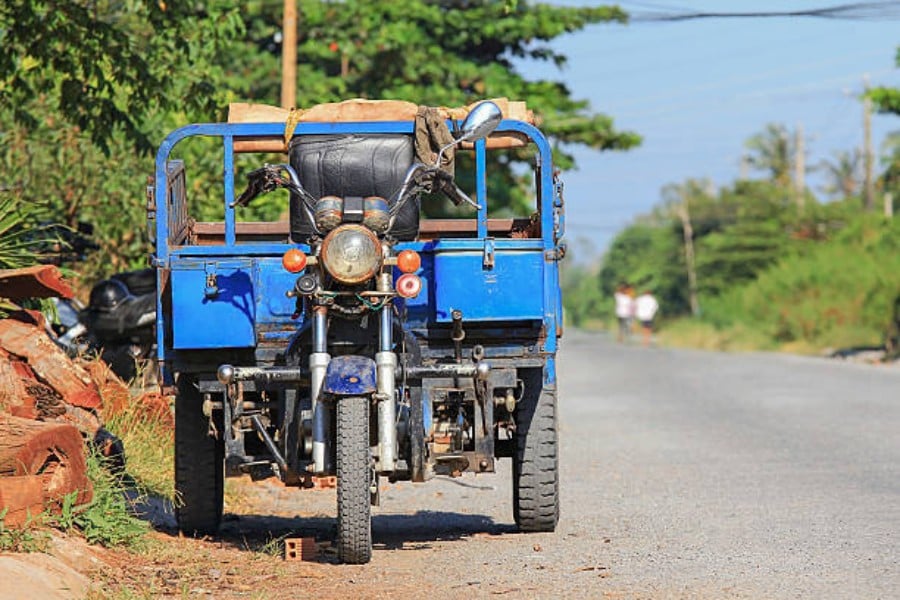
[(228, 374)]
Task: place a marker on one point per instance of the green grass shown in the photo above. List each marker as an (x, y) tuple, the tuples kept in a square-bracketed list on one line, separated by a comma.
[(30, 537), (149, 449)]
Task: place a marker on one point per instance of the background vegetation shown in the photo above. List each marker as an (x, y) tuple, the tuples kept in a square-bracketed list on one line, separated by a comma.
[(776, 267), (88, 88)]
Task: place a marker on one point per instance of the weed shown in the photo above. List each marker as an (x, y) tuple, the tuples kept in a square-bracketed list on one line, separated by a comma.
[(106, 520), (274, 546), (28, 538)]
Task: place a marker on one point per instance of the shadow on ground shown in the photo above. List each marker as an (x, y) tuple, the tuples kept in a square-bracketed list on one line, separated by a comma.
[(389, 532), (254, 532)]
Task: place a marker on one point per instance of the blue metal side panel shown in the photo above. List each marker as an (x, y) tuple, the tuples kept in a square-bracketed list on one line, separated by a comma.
[(273, 308), (350, 376), (225, 320), (510, 290)]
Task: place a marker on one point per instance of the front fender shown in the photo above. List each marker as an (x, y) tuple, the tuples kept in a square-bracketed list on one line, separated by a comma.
[(350, 376)]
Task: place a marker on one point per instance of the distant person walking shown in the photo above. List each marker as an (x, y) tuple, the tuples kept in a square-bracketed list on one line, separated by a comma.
[(624, 298), (645, 309)]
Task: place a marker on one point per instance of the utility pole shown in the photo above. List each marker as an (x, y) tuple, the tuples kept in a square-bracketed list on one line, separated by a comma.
[(868, 154), (889, 205), (689, 254), (289, 55), (799, 168)]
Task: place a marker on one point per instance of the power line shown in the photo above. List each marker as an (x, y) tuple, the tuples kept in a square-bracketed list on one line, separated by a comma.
[(857, 11)]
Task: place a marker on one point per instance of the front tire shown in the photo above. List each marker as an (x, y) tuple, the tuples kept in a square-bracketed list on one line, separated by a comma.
[(199, 464), (536, 462), (354, 479)]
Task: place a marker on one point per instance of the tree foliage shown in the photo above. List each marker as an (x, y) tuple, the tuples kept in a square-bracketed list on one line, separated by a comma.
[(769, 271), (772, 151), (107, 65), (450, 53), (885, 98), (98, 84)]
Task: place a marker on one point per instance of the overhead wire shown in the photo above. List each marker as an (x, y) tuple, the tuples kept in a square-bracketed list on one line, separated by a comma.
[(856, 11)]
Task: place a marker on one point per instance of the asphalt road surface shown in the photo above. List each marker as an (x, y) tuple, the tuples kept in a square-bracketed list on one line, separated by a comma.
[(684, 475)]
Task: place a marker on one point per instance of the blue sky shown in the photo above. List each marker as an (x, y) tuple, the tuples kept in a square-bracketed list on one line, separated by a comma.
[(696, 90)]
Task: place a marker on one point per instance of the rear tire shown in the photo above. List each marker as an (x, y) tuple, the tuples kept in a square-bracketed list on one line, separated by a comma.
[(199, 464), (536, 462), (354, 479)]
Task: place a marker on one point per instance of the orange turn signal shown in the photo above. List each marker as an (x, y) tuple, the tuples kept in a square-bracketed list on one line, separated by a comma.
[(408, 285), (294, 260), (409, 261)]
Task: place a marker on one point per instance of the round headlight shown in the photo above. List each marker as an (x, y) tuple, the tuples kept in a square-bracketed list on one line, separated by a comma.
[(351, 253)]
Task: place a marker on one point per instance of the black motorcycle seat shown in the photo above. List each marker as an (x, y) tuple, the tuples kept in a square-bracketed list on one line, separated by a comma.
[(138, 282), (353, 165)]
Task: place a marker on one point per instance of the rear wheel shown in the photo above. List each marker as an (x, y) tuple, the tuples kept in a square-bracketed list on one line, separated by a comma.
[(354, 480), (536, 461), (199, 464)]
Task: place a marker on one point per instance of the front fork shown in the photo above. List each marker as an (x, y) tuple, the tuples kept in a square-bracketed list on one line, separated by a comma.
[(318, 365), (385, 373), (386, 367)]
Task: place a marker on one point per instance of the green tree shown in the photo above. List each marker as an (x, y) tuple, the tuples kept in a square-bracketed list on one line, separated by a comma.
[(101, 62), (772, 151), (438, 53), (887, 99), (97, 84), (843, 174)]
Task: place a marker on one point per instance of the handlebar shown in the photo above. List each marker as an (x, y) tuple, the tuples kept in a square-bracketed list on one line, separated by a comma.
[(419, 178)]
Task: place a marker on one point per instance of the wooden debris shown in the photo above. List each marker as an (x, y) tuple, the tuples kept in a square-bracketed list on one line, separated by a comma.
[(41, 281), (52, 451), (22, 497), (49, 362)]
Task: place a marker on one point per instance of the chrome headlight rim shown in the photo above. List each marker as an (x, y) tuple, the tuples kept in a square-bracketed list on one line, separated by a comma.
[(332, 242)]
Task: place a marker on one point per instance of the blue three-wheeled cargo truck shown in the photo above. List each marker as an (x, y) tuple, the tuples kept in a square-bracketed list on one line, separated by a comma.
[(360, 338)]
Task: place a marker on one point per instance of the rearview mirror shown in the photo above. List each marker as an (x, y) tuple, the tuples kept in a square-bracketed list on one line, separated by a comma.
[(479, 123)]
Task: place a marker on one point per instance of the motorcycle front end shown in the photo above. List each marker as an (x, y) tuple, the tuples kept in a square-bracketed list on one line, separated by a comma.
[(347, 359)]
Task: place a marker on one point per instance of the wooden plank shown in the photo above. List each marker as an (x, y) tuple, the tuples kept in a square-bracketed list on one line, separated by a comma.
[(362, 110)]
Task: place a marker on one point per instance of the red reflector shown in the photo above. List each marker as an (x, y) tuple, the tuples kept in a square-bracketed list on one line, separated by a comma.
[(293, 260), (409, 285)]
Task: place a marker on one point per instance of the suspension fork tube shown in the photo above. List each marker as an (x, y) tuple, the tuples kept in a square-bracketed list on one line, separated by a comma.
[(318, 364), (386, 367)]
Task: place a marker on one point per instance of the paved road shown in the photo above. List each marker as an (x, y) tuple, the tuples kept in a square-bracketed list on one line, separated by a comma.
[(684, 475)]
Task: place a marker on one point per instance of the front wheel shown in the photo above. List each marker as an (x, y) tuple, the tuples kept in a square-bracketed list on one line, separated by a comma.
[(354, 480), (536, 461)]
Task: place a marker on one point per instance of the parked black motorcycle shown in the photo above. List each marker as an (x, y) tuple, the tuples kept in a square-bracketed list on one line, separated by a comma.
[(118, 324)]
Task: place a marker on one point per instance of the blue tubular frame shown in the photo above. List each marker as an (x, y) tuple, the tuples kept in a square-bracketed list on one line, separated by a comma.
[(547, 194)]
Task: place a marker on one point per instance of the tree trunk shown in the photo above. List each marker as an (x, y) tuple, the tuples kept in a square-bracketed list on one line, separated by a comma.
[(53, 451), (22, 497)]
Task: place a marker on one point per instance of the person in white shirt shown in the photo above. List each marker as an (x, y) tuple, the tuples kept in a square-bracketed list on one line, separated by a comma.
[(624, 298), (645, 309)]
